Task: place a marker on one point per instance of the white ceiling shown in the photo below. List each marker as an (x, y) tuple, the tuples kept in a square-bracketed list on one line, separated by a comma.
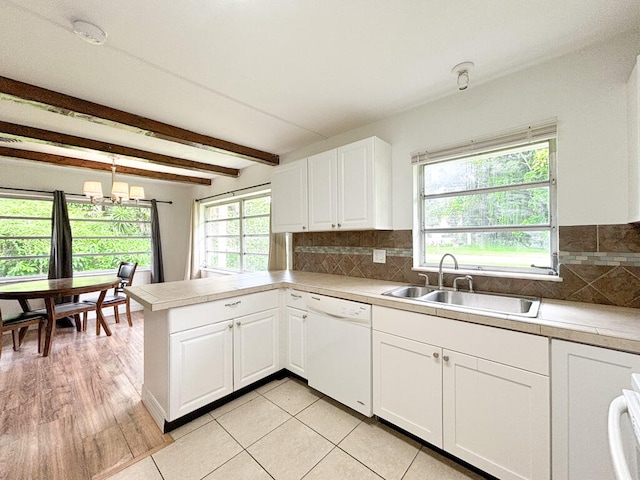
[(278, 74)]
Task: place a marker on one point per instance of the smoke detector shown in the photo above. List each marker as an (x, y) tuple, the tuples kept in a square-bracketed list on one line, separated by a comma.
[(462, 72), (89, 32)]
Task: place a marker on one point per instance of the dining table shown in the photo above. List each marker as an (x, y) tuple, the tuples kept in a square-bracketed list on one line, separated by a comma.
[(52, 290)]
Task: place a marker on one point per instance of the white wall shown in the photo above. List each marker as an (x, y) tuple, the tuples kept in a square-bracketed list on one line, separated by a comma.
[(174, 219), (249, 177), (584, 90)]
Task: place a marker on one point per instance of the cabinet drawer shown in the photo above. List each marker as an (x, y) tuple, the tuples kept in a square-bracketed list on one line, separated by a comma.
[(522, 350), (296, 299), (244, 305), (192, 316)]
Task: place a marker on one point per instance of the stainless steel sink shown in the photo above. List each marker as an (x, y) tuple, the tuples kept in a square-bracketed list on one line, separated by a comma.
[(509, 304), (505, 304), (410, 291)]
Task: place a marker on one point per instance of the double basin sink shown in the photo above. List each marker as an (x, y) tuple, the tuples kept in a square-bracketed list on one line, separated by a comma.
[(505, 304)]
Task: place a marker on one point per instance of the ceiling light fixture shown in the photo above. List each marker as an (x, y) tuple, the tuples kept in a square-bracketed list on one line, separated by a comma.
[(462, 72), (120, 192), (89, 32)]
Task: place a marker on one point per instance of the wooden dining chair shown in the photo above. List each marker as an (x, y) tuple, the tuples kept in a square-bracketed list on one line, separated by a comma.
[(19, 323), (126, 271)]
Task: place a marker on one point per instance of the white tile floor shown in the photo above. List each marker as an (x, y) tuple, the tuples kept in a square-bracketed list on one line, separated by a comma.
[(287, 431)]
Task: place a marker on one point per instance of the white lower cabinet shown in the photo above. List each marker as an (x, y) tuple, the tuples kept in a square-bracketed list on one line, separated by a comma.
[(296, 338), (496, 417), (201, 367), (584, 381), (488, 406), (210, 362), (255, 347), (199, 353), (407, 385)]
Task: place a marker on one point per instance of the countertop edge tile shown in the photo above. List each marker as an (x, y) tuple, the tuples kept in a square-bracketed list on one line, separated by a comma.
[(600, 325)]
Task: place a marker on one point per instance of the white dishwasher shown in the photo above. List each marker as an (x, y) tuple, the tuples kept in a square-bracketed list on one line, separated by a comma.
[(339, 355)]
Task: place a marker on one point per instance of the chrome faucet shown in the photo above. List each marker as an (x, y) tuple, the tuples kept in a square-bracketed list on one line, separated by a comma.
[(468, 278), (440, 274)]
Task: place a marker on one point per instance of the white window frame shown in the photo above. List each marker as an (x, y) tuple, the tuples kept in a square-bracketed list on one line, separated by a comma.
[(494, 144), (242, 236)]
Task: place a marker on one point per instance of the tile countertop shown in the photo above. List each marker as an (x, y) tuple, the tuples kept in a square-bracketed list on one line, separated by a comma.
[(600, 325)]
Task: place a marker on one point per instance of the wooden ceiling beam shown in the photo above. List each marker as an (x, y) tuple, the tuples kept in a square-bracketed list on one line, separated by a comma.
[(118, 118), (76, 162), (64, 140)]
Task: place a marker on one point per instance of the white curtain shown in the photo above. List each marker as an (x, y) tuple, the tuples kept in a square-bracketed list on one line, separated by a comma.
[(192, 268)]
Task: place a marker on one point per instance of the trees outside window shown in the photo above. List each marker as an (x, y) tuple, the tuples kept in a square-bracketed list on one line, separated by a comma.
[(237, 234), (103, 236), (493, 210)]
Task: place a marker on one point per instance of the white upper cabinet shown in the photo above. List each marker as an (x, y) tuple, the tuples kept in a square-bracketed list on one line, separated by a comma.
[(633, 111), (322, 175), (289, 209), (348, 188), (351, 187)]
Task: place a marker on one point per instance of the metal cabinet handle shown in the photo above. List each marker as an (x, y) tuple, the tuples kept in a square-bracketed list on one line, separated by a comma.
[(238, 323), (333, 225), (304, 317), (230, 325), (304, 228), (237, 302), (294, 295), (446, 358), (436, 355), (339, 225)]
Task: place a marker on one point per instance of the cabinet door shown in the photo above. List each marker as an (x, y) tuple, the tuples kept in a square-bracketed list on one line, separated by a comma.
[(255, 347), (356, 185), (496, 417), (407, 385), (289, 197), (296, 335), (322, 175), (201, 363), (584, 381)]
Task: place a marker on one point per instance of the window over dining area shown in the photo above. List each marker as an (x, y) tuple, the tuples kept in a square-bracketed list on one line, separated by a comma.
[(103, 236)]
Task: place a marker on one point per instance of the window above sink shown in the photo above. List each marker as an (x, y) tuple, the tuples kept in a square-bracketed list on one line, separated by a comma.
[(491, 203)]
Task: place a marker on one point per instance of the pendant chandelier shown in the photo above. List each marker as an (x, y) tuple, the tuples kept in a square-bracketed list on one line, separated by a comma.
[(120, 191)]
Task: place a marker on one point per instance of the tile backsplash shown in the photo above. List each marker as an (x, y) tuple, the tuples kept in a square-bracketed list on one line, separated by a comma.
[(598, 263)]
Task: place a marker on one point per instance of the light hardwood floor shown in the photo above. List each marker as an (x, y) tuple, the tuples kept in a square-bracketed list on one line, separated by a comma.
[(76, 414)]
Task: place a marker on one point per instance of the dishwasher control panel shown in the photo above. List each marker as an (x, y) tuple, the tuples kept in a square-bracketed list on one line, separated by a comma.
[(336, 307)]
